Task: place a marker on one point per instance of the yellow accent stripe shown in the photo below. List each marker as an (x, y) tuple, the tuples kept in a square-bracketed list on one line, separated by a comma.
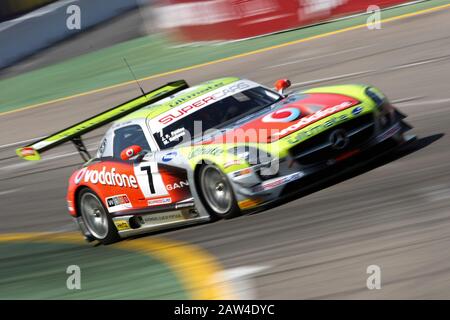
[(323, 35), (197, 270)]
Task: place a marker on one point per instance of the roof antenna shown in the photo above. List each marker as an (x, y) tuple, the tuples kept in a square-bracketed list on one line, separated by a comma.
[(135, 78)]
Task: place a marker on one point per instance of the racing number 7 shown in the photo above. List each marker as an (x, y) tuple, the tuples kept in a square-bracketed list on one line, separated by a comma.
[(150, 178)]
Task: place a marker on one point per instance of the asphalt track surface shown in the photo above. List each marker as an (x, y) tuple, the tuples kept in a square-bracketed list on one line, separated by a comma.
[(393, 213)]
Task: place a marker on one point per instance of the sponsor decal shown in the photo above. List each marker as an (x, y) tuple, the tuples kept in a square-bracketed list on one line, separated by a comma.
[(357, 110), (232, 163), (178, 185), (214, 151), (163, 217), (173, 136), (118, 202), (187, 106), (300, 136), (278, 182), (122, 225), (169, 156), (158, 202), (303, 122), (104, 177), (181, 99), (282, 115)]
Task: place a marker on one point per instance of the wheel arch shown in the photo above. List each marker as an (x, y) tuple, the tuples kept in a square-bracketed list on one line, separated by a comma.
[(195, 190), (76, 194)]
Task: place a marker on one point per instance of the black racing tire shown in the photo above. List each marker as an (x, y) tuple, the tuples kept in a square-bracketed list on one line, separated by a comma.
[(216, 193), (96, 217)]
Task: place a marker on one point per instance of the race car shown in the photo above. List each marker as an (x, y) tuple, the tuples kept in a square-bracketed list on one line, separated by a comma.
[(182, 155)]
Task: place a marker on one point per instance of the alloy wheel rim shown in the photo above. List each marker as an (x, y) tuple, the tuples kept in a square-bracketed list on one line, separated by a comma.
[(216, 190), (94, 215)]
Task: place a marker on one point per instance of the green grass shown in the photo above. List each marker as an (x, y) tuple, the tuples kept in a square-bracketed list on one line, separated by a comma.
[(38, 271), (148, 56)]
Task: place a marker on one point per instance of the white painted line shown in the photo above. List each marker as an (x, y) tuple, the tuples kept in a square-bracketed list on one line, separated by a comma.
[(317, 57), (64, 155), (19, 165), (419, 63), (366, 72), (240, 280), (243, 272), (408, 99), (425, 102), (65, 228), (2, 193), (338, 77), (12, 144), (437, 193), (19, 142), (26, 163)]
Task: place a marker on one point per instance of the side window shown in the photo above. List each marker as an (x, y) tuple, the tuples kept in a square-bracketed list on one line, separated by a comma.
[(129, 136)]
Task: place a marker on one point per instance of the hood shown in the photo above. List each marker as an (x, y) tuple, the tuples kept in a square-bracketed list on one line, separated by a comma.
[(285, 117)]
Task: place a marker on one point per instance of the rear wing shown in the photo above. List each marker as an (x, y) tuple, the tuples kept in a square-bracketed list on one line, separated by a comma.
[(74, 133)]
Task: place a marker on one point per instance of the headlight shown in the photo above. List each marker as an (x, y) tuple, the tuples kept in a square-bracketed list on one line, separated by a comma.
[(262, 162), (376, 96), (252, 155)]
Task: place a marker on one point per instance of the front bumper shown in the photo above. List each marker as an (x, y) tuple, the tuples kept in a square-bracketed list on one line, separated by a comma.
[(297, 170)]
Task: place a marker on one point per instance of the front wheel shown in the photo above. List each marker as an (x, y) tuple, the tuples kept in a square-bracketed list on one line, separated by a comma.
[(96, 217), (217, 193)]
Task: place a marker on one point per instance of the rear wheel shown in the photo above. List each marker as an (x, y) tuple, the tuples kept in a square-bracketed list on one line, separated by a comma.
[(96, 218), (217, 193)]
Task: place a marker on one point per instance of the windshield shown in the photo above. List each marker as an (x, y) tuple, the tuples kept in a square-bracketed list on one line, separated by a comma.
[(216, 116)]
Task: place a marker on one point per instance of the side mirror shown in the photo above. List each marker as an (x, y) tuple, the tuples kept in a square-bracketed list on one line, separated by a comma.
[(282, 85), (130, 152)]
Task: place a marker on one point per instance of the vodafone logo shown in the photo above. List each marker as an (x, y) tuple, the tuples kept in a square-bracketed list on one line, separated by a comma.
[(282, 115), (130, 152), (303, 122), (80, 175), (104, 177)]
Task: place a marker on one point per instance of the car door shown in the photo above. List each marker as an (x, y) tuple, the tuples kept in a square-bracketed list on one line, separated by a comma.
[(159, 184)]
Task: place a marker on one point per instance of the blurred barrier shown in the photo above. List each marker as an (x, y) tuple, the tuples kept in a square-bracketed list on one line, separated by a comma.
[(41, 28), (12, 8), (209, 20)]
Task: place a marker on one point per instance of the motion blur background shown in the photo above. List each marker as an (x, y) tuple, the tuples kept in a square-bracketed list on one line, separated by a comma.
[(30, 26), (393, 212)]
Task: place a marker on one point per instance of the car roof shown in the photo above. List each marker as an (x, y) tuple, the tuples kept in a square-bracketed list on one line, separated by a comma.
[(153, 110)]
